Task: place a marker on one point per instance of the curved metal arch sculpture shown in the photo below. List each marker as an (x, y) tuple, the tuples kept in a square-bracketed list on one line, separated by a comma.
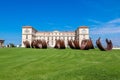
[(71, 44), (44, 44), (60, 44), (57, 44), (76, 44), (84, 45), (27, 44), (109, 45), (35, 44), (90, 44), (87, 44), (41, 44)]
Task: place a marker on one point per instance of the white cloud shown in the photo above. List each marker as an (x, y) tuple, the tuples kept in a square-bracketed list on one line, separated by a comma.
[(95, 21), (109, 27), (114, 21), (110, 30)]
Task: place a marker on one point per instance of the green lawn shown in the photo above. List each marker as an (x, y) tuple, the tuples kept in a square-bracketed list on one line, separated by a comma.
[(55, 64)]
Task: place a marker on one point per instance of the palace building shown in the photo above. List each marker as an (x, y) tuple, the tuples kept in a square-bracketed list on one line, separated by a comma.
[(30, 34)]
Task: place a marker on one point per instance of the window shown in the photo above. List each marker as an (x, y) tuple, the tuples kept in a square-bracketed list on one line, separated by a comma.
[(48, 38), (26, 36), (83, 31), (26, 31)]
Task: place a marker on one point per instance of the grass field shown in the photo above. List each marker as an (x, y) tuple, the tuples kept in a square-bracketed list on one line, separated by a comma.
[(55, 64)]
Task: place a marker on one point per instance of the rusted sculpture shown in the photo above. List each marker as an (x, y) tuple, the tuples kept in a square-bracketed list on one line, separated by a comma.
[(44, 44), (109, 45), (27, 44), (91, 44), (57, 44), (60, 44), (71, 44), (34, 44), (76, 44), (87, 44), (39, 44), (84, 45)]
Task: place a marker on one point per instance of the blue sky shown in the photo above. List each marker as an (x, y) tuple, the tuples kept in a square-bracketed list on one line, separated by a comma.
[(101, 16)]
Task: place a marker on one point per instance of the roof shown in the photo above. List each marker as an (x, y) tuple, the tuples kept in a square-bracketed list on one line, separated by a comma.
[(1, 41), (83, 27), (57, 31), (29, 27)]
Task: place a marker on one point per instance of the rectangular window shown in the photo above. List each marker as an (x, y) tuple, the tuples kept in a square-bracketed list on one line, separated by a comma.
[(26, 36)]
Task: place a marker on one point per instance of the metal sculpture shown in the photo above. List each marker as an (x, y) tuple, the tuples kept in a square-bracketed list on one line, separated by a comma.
[(62, 44), (44, 44), (27, 44), (76, 44), (109, 45), (59, 44), (34, 44), (91, 44), (71, 44), (39, 44), (85, 45)]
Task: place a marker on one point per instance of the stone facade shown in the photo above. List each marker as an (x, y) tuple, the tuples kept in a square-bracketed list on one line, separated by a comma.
[(82, 33), (29, 34)]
